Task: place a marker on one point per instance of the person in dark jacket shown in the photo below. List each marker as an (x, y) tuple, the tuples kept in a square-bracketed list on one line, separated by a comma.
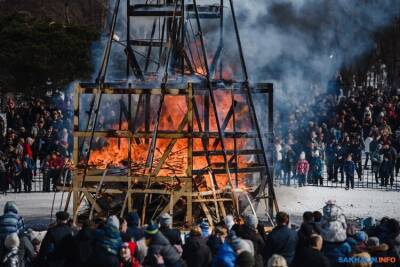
[(249, 231), (158, 245), (307, 229), (330, 158), (349, 167), (216, 239), (316, 168), (54, 247), (173, 235), (282, 240), (107, 244), (134, 231), (311, 256), (385, 170), (82, 250), (196, 253), (10, 221)]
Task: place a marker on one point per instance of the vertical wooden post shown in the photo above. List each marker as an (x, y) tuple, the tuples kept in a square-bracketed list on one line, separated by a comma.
[(189, 188), (74, 191)]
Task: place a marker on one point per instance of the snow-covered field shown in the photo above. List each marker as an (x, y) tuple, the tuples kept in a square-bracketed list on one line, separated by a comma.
[(36, 207)]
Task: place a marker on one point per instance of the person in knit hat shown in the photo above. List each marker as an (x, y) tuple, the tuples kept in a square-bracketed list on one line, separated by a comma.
[(245, 259), (240, 244), (158, 245), (229, 222), (249, 231), (11, 244), (277, 261), (173, 235), (375, 248), (134, 231), (107, 243)]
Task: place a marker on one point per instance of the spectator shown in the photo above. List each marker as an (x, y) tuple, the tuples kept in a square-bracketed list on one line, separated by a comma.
[(134, 231), (282, 240), (173, 235), (316, 169), (225, 256), (160, 246), (277, 261), (11, 258), (311, 255), (302, 169), (196, 253), (349, 168), (10, 222), (127, 253)]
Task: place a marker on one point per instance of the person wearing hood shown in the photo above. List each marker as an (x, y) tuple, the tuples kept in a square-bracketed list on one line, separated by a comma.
[(349, 168), (226, 255), (196, 253), (10, 222), (127, 255), (249, 231), (107, 244), (11, 257), (159, 246), (56, 243), (173, 235), (134, 231), (302, 168), (316, 168), (282, 240)]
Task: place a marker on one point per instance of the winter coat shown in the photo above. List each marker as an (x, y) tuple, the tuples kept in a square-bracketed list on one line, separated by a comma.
[(11, 259), (82, 250), (214, 243), (196, 253), (310, 257), (349, 167), (385, 170), (258, 243), (26, 251), (302, 167), (226, 256), (316, 166), (333, 224), (10, 221), (109, 239), (173, 235), (135, 232), (159, 244), (335, 250), (54, 247), (283, 241)]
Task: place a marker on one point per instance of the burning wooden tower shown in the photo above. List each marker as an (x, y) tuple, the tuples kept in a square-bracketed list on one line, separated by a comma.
[(188, 139)]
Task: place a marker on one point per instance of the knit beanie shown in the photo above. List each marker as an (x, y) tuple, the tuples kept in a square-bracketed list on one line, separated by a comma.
[(132, 219), (361, 236), (165, 220), (373, 241), (11, 241), (151, 229), (113, 221), (251, 221), (245, 259)]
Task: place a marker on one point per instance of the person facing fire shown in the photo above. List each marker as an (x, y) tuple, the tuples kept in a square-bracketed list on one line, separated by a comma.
[(316, 169), (349, 167), (55, 166), (302, 169)]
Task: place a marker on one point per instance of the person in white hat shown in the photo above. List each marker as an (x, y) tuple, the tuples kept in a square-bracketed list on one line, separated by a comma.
[(302, 168)]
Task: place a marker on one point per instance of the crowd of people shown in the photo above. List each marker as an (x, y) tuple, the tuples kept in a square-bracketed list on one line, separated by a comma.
[(337, 133), (35, 137), (323, 239)]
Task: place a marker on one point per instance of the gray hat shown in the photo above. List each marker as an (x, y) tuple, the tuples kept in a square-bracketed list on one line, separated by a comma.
[(251, 221), (113, 221), (165, 219), (11, 206)]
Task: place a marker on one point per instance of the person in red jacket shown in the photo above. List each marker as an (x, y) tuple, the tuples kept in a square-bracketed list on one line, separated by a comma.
[(302, 169), (127, 252), (55, 167)]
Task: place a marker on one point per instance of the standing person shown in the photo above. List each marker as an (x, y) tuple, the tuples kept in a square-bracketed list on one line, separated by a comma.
[(282, 240), (3, 177), (311, 255), (316, 168), (355, 150), (349, 167), (127, 252), (278, 159), (330, 159), (27, 168), (54, 247), (173, 235), (339, 161), (196, 253), (55, 166), (376, 161), (159, 245), (367, 150), (385, 171), (288, 164), (302, 169), (17, 175)]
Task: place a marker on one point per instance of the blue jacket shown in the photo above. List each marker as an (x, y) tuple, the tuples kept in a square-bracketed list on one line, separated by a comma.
[(334, 251), (316, 166), (109, 239), (10, 221), (226, 257), (349, 167), (283, 241)]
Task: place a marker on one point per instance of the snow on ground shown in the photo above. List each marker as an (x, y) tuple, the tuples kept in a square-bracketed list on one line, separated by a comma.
[(357, 203), (36, 207)]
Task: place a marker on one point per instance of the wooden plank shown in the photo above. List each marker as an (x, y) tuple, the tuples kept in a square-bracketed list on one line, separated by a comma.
[(92, 201), (189, 170), (166, 134)]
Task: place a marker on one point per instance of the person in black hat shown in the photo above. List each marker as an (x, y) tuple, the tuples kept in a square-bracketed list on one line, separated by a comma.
[(158, 245), (54, 248)]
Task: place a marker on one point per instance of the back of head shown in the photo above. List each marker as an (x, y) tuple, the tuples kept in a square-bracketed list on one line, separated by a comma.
[(113, 221), (245, 259), (11, 241), (165, 220), (277, 261), (316, 241), (282, 218), (195, 231), (308, 217), (132, 218), (364, 260), (251, 221), (317, 216), (11, 206)]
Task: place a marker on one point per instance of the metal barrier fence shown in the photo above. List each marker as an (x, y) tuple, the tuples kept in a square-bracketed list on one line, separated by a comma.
[(367, 180)]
